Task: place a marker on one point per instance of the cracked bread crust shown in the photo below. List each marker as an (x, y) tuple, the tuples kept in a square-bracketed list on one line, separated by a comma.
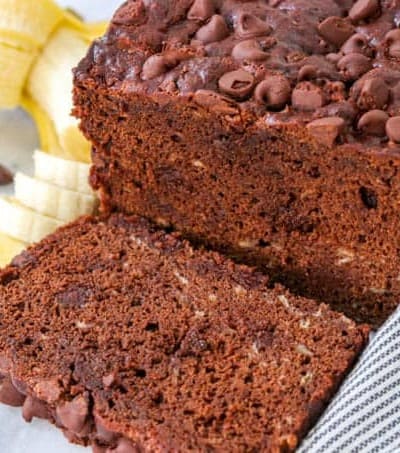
[(130, 340)]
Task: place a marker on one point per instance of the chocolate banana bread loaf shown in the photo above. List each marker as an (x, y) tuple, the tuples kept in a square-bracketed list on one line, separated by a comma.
[(268, 130), (130, 340)]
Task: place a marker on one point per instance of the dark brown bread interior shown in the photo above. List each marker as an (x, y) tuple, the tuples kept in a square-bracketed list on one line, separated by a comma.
[(130, 340), (315, 207)]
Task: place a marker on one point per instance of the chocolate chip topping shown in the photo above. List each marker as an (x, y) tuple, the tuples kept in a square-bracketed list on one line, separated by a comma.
[(392, 40), (374, 94), (301, 41), (9, 394), (239, 84), (73, 414), (393, 129), (6, 177), (249, 50), (373, 123), (326, 130), (274, 92), (335, 30), (250, 26), (201, 10), (215, 30), (354, 65), (363, 9), (307, 96)]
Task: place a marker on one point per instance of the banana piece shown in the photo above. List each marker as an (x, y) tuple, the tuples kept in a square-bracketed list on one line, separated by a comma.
[(27, 24), (68, 174), (47, 135), (53, 201), (23, 224), (9, 248), (50, 85), (15, 65)]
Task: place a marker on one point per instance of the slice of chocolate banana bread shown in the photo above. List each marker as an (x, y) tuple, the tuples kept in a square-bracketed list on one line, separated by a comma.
[(269, 130), (130, 340)]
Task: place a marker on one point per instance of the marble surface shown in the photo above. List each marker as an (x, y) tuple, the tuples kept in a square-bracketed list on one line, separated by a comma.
[(18, 139)]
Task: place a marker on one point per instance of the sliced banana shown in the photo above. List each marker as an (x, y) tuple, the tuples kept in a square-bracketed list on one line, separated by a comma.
[(27, 24), (50, 85), (9, 248), (50, 200), (23, 224), (64, 173), (15, 65)]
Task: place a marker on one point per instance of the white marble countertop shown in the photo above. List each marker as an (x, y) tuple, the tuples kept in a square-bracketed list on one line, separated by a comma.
[(18, 139)]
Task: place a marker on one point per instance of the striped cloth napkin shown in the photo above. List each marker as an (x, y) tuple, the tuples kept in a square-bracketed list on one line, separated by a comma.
[(365, 414)]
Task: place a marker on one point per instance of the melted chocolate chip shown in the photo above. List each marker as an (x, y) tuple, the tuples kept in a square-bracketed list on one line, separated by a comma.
[(358, 43), (373, 123), (326, 130), (392, 40), (201, 10), (215, 30), (363, 9), (73, 297), (354, 65), (307, 97), (335, 30), (238, 84), (6, 177), (34, 408), (215, 102), (374, 94), (250, 26), (124, 446), (393, 129), (307, 72), (274, 92), (155, 66), (9, 394), (249, 50), (73, 414)]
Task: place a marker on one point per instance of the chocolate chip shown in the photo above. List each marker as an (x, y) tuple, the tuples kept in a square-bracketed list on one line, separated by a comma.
[(73, 414), (326, 130), (9, 394), (274, 92), (6, 177), (363, 9), (354, 65), (238, 84), (307, 72), (369, 197), (393, 129), (307, 96), (373, 123), (249, 50), (124, 446), (392, 40), (201, 10), (34, 408), (335, 30), (103, 434), (215, 30), (215, 102), (250, 26), (73, 296), (24, 259), (374, 94), (155, 66), (358, 43), (333, 57)]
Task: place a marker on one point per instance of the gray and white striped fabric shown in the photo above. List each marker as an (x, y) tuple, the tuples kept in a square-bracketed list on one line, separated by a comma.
[(365, 414)]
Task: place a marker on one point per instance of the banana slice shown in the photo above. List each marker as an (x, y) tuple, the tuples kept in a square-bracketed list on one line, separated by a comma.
[(23, 224), (47, 135), (50, 85), (51, 200), (15, 65), (68, 174), (27, 24), (9, 248)]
